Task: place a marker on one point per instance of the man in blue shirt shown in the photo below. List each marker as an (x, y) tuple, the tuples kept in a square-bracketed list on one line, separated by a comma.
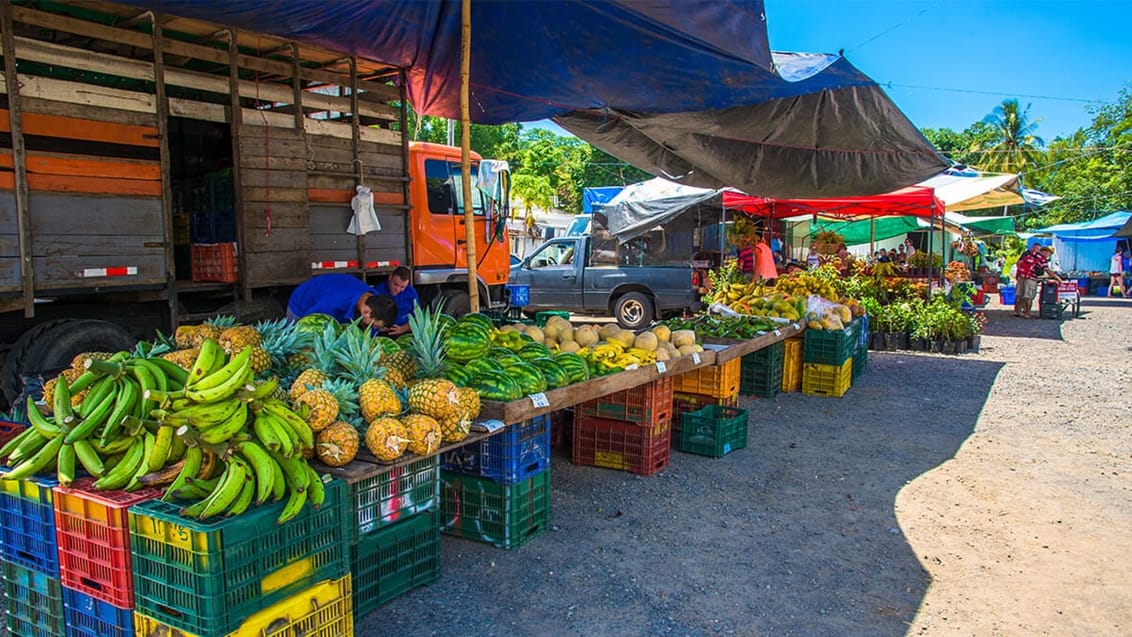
[(343, 296), (402, 292)]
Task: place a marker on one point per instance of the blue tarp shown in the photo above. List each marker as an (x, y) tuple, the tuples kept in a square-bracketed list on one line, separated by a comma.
[(594, 197), (687, 89), (1102, 227), (1087, 246)]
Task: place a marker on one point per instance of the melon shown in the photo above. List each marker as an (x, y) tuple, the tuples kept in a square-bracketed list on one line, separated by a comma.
[(662, 332), (608, 330), (535, 333), (683, 337), (586, 336), (625, 337), (569, 346), (552, 330), (646, 341)]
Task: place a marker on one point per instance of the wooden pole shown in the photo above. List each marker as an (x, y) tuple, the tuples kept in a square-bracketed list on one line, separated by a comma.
[(465, 153), (19, 160)]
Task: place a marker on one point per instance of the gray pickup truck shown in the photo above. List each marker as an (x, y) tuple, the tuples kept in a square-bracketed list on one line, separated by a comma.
[(627, 281)]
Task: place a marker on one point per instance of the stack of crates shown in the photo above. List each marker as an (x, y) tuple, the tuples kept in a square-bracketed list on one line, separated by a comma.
[(8, 430), (394, 532), (861, 355), (827, 357), (29, 558), (244, 574), (629, 430), (792, 365), (93, 533), (760, 372), (713, 431), (497, 490), (712, 385)]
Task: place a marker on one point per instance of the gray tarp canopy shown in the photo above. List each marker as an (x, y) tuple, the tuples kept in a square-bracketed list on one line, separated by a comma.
[(645, 205)]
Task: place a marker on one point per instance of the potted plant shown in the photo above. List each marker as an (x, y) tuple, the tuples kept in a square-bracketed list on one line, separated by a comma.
[(978, 321)]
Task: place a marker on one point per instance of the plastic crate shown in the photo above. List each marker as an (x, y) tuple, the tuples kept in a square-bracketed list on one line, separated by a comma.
[(34, 602), (760, 372), (863, 333), (829, 347), (616, 444), (683, 402), (503, 515), (712, 380), (214, 262), (395, 560), (510, 317), (9, 430), (514, 454), (792, 365), (395, 494), (647, 405), (323, 610), (860, 361), (209, 577), (542, 317), (93, 533), (827, 380), (1006, 295), (713, 431), (521, 295), (89, 617), (27, 523)]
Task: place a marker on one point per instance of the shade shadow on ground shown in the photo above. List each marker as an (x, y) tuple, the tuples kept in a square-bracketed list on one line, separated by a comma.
[(794, 535), (1002, 323)]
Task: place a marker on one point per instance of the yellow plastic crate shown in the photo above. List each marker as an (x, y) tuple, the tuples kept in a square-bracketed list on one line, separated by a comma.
[(324, 610), (827, 380), (792, 366), (718, 381)]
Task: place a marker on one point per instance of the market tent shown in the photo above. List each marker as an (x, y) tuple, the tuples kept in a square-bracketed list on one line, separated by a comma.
[(1087, 246), (914, 201), (1103, 227), (982, 225), (867, 230), (1125, 230), (595, 198), (684, 89), (643, 206), (972, 190)]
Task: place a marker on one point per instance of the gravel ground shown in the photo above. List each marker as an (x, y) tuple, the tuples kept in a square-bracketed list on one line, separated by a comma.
[(985, 494)]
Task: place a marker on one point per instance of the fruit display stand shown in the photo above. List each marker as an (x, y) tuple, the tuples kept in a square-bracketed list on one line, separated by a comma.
[(727, 349)]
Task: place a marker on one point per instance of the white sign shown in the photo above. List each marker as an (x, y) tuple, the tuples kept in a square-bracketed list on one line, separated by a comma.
[(539, 400), (696, 357), (661, 367)]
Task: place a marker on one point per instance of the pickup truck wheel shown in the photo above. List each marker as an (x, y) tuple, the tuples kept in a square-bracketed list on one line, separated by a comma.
[(49, 347), (633, 311)]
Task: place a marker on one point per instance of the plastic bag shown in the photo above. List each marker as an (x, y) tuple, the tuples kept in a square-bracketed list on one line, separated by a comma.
[(364, 220), (824, 314)]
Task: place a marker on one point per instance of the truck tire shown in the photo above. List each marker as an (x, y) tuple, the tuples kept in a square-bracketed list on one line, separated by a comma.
[(633, 310), (456, 302), (251, 312), (49, 347)]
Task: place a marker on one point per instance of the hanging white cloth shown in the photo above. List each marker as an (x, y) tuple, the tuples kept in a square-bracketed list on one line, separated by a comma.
[(364, 220)]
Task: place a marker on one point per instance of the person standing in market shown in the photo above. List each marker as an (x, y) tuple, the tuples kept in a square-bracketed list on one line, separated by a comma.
[(344, 297), (765, 268), (1116, 273), (1026, 282), (400, 289), (746, 260)]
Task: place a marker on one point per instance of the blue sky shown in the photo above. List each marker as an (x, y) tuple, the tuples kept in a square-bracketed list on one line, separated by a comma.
[(947, 64)]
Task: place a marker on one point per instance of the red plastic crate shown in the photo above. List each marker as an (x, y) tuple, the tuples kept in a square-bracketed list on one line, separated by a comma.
[(647, 405), (93, 531), (9, 430), (616, 444), (713, 380), (214, 262)]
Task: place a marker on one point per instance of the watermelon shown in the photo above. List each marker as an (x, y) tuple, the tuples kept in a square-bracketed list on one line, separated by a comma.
[(405, 341), (315, 323), (459, 375), (484, 364), (387, 345), (492, 385), (467, 342), (555, 375), (575, 366), (528, 376), (505, 358), (481, 319), (534, 350)]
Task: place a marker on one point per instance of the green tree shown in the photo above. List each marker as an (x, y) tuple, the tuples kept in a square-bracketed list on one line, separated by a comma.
[(962, 147), (1014, 146)]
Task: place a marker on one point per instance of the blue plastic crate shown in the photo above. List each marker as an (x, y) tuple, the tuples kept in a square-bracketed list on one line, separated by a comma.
[(520, 295), (863, 329), (33, 601), (1006, 295), (89, 617), (515, 454), (27, 524)]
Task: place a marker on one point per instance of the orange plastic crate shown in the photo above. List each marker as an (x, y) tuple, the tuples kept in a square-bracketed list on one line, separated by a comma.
[(93, 531), (792, 366), (646, 405), (713, 380), (214, 262)]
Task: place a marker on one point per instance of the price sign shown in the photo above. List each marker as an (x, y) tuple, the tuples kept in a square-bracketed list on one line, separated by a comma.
[(661, 367), (696, 357), (777, 332), (539, 400)]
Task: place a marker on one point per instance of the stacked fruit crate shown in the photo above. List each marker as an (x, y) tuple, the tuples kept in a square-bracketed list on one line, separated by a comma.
[(497, 490), (630, 430), (861, 355), (792, 365), (760, 372), (29, 557), (93, 535), (713, 385), (394, 532), (827, 360), (245, 574)]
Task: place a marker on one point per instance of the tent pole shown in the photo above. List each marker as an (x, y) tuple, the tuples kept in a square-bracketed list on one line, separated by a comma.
[(872, 234), (931, 247), (465, 154)]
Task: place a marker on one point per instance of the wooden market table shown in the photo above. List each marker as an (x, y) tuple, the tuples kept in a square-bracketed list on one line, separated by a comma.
[(728, 349)]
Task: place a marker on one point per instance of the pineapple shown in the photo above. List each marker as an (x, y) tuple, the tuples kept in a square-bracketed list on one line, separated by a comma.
[(283, 342), (395, 378), (377, 399), (455, 428), (78, 363), (337, 445), (49, 391), (401, 364), (424, 434), (206, 330), (183, 358), (185, 336), (323, 361), (386, 439), (435, 397), (469, 400), (323, 408), (308, 379), (235, 339), (261, 360), (345, 393)]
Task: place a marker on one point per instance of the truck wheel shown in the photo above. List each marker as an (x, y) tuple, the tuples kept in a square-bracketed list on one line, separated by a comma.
[(49, 347), (254, 311), (633, 311), (456, 302)]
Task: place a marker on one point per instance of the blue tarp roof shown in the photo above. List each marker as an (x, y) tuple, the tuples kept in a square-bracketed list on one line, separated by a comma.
[(685, 88), (1100, 228), (594, 197)]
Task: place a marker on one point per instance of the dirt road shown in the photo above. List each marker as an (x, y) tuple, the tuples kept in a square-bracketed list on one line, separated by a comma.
[(985, 494)]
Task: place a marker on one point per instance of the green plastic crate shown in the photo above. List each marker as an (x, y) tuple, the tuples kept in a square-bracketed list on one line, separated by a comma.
[(393, 495), (714, 430), (33, 602), (207, 578), (505, 516), (542, 317), (829, 347), (760, 372), (395, 560)]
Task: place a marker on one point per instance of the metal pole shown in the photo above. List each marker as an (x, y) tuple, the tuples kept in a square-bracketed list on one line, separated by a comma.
[(465, 153)]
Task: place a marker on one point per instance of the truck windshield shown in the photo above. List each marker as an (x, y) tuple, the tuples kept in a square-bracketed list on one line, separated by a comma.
[(445, 192)]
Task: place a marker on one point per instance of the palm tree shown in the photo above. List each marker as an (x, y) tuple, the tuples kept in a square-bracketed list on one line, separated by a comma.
[(1013, 145)]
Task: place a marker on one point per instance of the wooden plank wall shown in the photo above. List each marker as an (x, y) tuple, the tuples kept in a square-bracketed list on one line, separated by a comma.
[(274, 180)]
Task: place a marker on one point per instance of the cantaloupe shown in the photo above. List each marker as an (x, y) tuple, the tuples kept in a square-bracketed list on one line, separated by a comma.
[(625, 337), (683, 337), (608, 330), (535, 333), (569, 346), (662, 332), (646, 341), (586, 336)]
